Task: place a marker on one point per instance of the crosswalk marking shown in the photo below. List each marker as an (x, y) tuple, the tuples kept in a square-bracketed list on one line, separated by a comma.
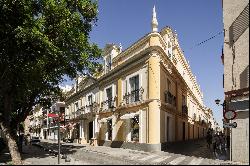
[(177, 160), (161, 159), (148, 157), (195, 161), (135, 157)]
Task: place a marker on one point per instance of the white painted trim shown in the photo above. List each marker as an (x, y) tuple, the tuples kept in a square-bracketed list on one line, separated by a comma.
[(113, 91), (93, 98), (132, 75)]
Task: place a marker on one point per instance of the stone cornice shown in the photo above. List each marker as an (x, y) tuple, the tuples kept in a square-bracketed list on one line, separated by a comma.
[(138, 43), (187, 67), (80, 93)]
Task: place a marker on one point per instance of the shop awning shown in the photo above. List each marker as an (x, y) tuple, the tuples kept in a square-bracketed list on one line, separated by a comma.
[(52, 115), (104, 119), (129, 115)]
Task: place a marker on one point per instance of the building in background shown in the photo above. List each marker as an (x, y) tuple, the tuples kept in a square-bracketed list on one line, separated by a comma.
[(51, 132), (236, 73), (43, 122), (145, 98), (36, 122)]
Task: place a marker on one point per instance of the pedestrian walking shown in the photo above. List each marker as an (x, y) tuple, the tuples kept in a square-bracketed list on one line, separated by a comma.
[(215, 141), (209, 138), (222, 141)]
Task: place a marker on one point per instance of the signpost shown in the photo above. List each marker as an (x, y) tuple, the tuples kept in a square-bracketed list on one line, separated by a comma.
[(230, 125), (229, 114), (58, 138), (58, 126)]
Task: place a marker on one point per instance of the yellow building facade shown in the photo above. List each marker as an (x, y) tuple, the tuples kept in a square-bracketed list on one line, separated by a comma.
[(146, 97)]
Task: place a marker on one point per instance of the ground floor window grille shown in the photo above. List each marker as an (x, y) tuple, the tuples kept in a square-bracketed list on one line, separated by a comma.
[(135, 128)]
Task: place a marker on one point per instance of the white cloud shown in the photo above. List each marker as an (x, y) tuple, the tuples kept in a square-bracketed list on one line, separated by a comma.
[(65, 88)]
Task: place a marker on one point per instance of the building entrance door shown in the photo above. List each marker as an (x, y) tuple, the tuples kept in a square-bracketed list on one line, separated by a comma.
[(183, 131), (167, 128), (90, 130)]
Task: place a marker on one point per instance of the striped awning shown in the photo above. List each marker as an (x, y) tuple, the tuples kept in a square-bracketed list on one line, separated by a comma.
[(129, 115), (104, 119)]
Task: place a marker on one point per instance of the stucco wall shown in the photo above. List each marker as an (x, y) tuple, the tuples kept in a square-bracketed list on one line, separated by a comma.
[(240, 138), (235, 66)]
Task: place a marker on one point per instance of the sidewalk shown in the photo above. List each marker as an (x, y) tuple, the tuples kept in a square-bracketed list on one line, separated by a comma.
[(128, 154), (33, 155), (197, 148)]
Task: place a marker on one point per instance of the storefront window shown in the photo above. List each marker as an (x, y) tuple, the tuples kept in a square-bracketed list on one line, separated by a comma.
[(135, 128), (109, 129)]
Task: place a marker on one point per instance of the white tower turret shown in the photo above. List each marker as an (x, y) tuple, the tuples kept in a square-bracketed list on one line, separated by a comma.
[(154, 22)]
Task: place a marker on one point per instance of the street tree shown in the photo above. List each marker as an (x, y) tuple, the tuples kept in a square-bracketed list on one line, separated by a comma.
[(40, 42)]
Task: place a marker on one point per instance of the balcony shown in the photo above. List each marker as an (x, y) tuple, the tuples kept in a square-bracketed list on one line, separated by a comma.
[(194, 117), (79, 111), (184, 110), (108, 105), (67, 117), (170, 99), (133, 96)]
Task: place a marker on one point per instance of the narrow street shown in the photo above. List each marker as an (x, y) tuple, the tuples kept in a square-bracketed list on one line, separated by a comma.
[(101, 155)]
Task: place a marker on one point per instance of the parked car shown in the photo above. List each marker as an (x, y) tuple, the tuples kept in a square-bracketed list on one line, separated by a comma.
[(34, 140)]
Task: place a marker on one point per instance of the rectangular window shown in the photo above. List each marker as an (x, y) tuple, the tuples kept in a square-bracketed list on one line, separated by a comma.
[(135, 128), (109, 63), (169, 85), (90, 100), (109, 129), (109, 96), (76, 106), (134, 87), (183, 100)]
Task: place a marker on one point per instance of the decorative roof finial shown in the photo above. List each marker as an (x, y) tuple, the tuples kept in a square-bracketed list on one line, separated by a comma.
[(120, 47), (154, 22)]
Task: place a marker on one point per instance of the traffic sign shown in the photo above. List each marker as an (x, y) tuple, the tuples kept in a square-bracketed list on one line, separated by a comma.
[(230, 125), (229, 115)]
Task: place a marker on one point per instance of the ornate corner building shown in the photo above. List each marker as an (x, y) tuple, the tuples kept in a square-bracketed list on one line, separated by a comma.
[(145, 98)]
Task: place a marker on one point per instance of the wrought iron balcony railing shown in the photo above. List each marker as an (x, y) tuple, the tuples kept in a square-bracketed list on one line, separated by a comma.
[(67, 117), (169, 98), (79, 111), (91, 108), (108, 105), (133, 96), (184, 110)]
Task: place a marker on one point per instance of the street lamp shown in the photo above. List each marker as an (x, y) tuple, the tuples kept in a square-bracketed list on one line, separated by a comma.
[(217, 101)]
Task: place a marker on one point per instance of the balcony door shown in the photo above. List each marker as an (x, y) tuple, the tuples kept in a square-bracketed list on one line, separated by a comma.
[(90, 99), (134, 88), (90, 130), (109, 96)]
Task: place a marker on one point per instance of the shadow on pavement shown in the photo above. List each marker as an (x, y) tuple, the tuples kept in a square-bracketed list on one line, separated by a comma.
[(45, 149), (197, 148)]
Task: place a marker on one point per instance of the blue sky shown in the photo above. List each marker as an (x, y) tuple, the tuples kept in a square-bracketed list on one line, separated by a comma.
[(126, 21)]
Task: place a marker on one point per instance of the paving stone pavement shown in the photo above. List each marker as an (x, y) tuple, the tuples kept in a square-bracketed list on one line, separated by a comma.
[(140, 157), (101, 155)]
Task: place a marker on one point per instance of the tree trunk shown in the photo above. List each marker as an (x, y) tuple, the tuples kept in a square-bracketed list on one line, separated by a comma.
[(14, 152), (9, 134)]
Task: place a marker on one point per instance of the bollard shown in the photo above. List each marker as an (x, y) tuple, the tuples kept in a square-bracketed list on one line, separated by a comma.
[(67, 159), (64, 156)]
